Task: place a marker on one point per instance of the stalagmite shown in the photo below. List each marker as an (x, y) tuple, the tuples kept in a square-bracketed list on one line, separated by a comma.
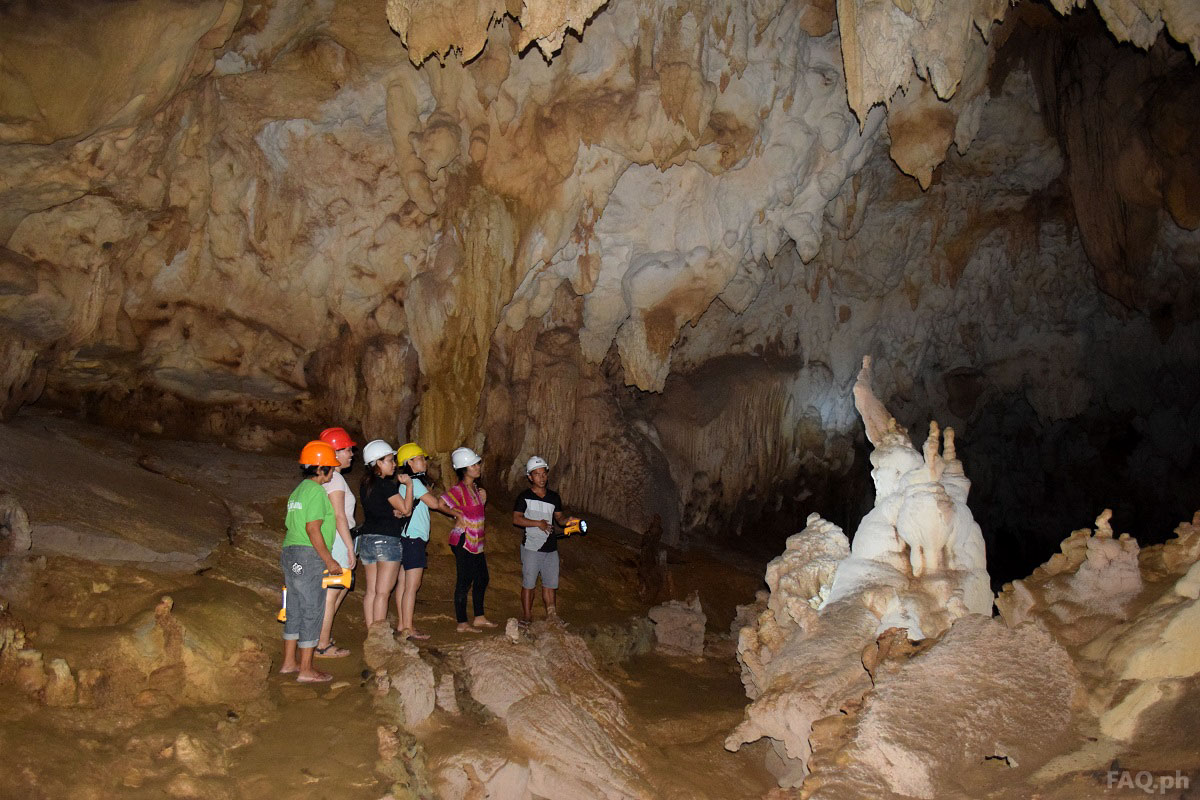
[(916, 564), (1100, 638)]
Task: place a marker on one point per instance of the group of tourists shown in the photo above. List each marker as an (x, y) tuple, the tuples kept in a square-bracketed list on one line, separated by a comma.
[(323, 542)]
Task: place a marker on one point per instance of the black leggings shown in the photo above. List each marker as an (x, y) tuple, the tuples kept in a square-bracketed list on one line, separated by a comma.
[(472, 575)]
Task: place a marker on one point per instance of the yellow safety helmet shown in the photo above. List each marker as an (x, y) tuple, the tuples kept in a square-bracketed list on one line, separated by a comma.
[(409, 450)]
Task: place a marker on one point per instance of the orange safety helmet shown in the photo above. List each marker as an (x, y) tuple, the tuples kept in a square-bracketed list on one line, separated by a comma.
[(337, 438), (318, 454)]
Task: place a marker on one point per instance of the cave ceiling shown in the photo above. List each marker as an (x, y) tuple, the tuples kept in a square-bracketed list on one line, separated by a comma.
[(504, 223)]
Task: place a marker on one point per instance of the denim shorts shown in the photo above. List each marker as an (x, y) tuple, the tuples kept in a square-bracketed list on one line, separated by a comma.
[(373, 548), (414, 553), (302, 570)]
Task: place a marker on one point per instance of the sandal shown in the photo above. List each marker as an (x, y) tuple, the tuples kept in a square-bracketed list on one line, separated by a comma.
[(321, 677), (331, 650), (416, 634)]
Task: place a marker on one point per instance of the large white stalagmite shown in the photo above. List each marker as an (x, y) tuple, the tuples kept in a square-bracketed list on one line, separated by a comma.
[(918, 556), (917, 563)]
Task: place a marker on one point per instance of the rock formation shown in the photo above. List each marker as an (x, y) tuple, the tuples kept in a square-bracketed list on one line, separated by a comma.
[(14, 526), (402, 679), (916, 565), (159, 659), (679, 626), (876, 670), (484, 227), (569, 723), (1128, 617)]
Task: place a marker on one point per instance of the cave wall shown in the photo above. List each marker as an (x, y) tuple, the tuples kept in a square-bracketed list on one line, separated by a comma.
[(649, 241)]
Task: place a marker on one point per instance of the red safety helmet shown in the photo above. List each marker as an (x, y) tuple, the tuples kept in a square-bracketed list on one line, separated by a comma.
[(337, 438), (318, 454)]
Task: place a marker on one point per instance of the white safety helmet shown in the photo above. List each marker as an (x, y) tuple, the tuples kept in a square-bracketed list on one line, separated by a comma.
[(375, 450), (537, 462), (464, 457)]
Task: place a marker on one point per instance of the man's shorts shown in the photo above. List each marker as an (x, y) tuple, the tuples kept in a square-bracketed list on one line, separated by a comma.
[(372, 548), (534, 563), (414, 553)]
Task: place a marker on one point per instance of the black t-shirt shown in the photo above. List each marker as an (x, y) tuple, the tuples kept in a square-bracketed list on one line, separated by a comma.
[(534, 507), (378, 516)]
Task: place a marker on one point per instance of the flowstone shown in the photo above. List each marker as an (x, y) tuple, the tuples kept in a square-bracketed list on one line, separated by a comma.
[(566, 721)]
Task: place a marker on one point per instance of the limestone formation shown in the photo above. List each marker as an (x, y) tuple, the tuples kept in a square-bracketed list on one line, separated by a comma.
[(437, 28), (567, 721), (918, 553), (164, 658), (982, 692), (14, 526), (403, 680), (916, 564), (874, 669), (282, 212), (679, 626), (1089, 585), (469, 775), (1128, 618)]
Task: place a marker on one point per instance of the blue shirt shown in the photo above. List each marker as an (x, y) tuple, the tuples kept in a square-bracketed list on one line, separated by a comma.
[(418, 526)]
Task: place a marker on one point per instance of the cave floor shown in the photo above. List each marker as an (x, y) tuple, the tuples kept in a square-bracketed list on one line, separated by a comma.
[(217, 513)]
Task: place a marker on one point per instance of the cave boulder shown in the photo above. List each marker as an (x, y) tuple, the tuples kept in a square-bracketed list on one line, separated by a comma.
[(679, 626)]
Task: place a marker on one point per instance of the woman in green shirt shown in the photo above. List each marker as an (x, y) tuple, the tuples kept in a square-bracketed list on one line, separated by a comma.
[(306, 555)]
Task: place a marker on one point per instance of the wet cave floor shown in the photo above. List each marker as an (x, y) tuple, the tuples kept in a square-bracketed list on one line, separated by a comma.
[(163, 736)]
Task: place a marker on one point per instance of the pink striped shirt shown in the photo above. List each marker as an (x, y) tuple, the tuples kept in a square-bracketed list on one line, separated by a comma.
[(471, 506)]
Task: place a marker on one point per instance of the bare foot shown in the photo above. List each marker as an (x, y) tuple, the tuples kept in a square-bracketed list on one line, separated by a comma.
[(465, 628), (484, 622), (314, 677)]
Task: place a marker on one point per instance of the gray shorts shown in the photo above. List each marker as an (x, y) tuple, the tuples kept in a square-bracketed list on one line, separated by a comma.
[(302, 572), (534, 563)]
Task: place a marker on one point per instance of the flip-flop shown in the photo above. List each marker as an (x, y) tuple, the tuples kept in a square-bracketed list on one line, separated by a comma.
[(468, 629), (331, 650), (418, 635), (485, 624), (322, 677)]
